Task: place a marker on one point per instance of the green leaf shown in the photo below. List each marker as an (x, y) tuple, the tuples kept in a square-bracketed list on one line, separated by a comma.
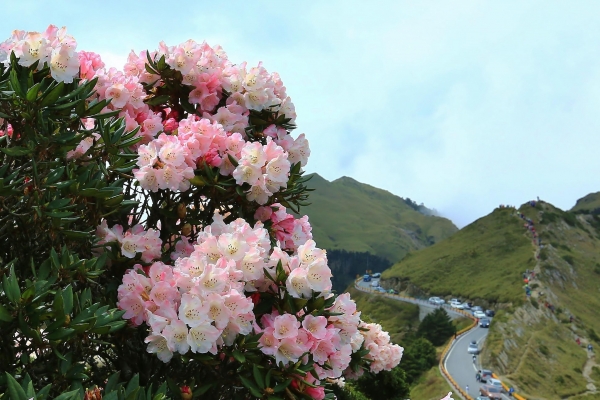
[(15, 84), (72, 395), (15, 390), (54, 175), (4, 314), (11, 286), (238, 356), (15, 151), (112, 382), (58, 203), (60, 333), (67, 295), (281, 387), (258, 377), (52, 96), (33, 92), (253, 389), (156, 100)]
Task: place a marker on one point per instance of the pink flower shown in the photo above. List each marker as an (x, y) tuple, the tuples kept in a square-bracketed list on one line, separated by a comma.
[(158, 344), (202, 338), (176, 334), (317, 326), (285, 326), (191, 310), (287, 351), (134, 308)]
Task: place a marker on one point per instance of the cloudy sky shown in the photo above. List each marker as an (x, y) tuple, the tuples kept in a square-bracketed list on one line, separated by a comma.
[(461, 105)]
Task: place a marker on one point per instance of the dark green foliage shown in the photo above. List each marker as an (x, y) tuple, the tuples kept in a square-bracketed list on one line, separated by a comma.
[(534, 303), (437, 327), (346, 265), (569, 259), (418, 357), (390, 385)]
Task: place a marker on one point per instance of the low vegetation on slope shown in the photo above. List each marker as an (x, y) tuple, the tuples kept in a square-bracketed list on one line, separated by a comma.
[(589, 204), (484, 260), (349, 215)]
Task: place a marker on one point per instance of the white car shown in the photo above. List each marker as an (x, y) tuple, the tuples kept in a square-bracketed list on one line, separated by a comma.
[(436, 301), (495, 382), (457, 304), (375, 284), (479, 314)]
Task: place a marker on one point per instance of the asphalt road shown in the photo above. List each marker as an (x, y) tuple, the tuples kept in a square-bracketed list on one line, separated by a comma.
[(425, 307), (459, 363)]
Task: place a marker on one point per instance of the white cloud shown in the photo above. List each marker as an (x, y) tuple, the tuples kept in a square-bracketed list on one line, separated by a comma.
[(462, 105)]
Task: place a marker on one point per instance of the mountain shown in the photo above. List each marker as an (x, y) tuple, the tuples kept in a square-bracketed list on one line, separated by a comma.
[(348, 215), (588, 204), (532, 343)]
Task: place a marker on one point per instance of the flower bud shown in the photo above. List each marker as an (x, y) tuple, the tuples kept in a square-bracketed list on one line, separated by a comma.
[(93, 394), (186, 392), (186, 230), (181, 211)]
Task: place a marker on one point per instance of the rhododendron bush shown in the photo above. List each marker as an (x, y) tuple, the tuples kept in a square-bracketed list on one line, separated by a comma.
[(149, 232)]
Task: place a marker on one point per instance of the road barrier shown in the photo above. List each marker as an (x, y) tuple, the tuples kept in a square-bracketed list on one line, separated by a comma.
[(450, 343)]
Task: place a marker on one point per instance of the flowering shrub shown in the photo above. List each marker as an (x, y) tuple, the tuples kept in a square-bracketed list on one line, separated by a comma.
[(146, 235)]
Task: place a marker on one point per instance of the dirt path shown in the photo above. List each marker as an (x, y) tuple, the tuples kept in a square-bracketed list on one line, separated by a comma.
[(587, 371)]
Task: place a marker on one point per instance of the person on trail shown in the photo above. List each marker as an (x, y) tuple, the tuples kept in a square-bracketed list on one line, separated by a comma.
[(467, 389), (590, 348), (474, 358), (578, 341), (511, 391), (478, 376)]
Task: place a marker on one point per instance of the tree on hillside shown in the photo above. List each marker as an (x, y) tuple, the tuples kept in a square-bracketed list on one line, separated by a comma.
[(436, 327), (147, 244), (418, 357), (392, 385)]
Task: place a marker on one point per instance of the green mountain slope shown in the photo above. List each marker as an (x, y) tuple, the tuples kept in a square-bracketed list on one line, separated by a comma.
[(349, 215), (532, 341), (588, 204), (483, 260)]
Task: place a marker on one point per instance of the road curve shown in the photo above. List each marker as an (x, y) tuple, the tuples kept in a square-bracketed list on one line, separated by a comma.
[(458, 362)]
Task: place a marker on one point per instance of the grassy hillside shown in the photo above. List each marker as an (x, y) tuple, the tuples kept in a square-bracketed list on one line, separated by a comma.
[(484, 260), (349, 215), (588, 204), (394, 316), (532, 341)]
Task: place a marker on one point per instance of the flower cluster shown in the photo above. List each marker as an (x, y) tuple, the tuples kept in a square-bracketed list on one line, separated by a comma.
[(135, 240), (289, 231), (383, 354), (53, 48), (199, 303)]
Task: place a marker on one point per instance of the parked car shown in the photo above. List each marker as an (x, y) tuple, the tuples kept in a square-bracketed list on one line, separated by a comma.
[(466, 306), (479, 314), (380, 289), (376, 275), (476, 308), (484, 323), (375, 284), (482, 398), (490, 313), (485, 375), (367, 278), (456, 304), (490, 391), (392, 291), (473, 349), (454, 301), (495, 382), (436, 301)]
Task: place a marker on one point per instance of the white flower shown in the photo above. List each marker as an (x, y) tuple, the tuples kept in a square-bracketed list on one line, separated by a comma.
[(64, 64)]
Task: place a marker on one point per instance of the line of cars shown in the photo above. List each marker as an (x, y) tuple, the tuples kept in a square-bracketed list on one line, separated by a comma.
[(477, 311)]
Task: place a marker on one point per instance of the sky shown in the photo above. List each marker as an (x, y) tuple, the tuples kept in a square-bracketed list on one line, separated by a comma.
[(460, 105)]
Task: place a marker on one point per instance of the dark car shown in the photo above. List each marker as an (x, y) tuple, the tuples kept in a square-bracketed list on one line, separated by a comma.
[(485, 375), (484, 323), (490, 391), (490, 313)]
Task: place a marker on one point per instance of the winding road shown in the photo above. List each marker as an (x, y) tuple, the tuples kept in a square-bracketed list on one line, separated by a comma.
[(458, 362)]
